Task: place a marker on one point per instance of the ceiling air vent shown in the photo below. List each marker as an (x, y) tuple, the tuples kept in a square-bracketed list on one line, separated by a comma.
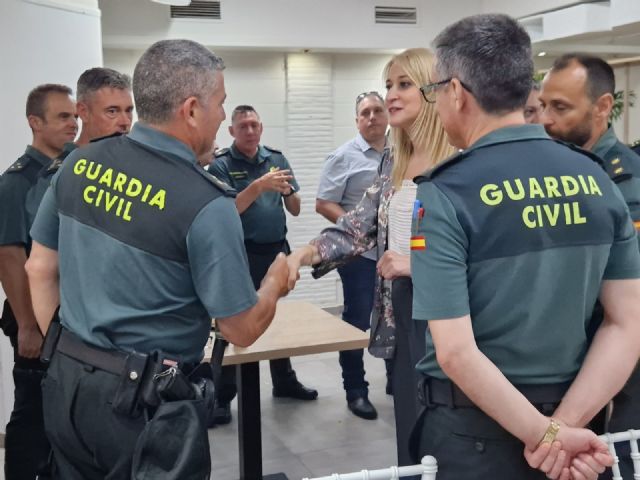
[(198, 9), (397, 15)]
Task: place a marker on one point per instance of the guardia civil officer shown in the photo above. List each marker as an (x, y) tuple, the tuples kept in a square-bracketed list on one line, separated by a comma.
[(264, 181), (137, 243), (515, 239), (51, 115), (578, 97)]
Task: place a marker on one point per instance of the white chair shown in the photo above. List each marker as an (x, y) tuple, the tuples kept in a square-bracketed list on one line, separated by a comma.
[(428, 469), (630, 436)]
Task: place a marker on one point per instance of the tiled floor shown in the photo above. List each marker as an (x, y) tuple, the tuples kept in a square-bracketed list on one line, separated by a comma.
[(307, 439)]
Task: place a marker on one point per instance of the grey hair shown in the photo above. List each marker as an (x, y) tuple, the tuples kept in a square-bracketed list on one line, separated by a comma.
[(168, 73), (96, 78), (491, 54)]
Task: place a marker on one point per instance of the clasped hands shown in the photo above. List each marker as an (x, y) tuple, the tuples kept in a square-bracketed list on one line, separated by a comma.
[(576, 453)]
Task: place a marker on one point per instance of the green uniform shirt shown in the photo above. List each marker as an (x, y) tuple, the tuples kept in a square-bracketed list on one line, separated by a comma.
[(623, 166), (264, 221), (17, 197), (520, 232)]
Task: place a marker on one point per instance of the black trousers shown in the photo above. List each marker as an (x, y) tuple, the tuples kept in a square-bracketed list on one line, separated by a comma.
[(282, 373), (410, 348), (469, 445), (26, 446)]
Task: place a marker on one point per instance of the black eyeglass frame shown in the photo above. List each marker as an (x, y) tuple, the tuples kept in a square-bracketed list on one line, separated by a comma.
[(432, 87)]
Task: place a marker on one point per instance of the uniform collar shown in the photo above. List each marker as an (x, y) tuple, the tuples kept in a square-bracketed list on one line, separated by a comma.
[(605, 143), (260, 157), (158, 140), (511, 134), (37, 155)]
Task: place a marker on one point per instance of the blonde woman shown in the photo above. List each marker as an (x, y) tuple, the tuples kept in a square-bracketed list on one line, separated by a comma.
[(382, 220)]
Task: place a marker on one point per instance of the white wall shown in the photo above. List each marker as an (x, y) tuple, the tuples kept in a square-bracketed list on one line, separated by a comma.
[(634, 112), (39, 43)]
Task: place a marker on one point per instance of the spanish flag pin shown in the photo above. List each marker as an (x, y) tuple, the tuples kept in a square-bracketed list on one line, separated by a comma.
[(418, 242)]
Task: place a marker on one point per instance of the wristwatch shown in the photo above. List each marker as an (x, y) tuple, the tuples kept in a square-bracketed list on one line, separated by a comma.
[(551, 433), (291, 192)]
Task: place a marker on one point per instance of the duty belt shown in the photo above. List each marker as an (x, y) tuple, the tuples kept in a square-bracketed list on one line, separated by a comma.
[(434, 391)]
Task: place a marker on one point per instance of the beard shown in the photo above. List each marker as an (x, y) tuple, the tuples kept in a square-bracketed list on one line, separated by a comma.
[(578, 135)]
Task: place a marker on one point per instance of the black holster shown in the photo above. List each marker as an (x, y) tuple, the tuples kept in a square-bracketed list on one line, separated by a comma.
[(8, 322)]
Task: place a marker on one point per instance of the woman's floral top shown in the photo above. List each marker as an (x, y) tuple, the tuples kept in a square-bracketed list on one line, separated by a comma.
[(360, 230)]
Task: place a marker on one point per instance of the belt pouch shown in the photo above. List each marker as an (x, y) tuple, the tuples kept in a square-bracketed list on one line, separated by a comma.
[(173, 385), (125, 401)]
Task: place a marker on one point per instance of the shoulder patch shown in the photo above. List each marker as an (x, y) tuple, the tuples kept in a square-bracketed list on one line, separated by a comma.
[(225, 188), (221, 153), (441, 167), (55, 165), (116, 134), (271, 149), (19, 164), (635, 144)]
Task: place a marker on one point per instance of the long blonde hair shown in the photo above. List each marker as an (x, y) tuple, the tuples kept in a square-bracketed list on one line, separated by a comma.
[(427, 130)]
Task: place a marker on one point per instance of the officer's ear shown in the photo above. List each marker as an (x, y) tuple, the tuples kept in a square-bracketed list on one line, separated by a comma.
[(35, 123), (459, 94), (190, 111), (231, 131), (603, 106), (82, 109)]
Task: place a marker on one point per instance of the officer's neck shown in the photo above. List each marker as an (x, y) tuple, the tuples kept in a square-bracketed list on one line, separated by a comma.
[(249, 152), (485, 124), (45, 149), (598, 130)]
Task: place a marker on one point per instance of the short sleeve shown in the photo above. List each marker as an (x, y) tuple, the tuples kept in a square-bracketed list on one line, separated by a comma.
[(624, 256), (333, 179), (218, 260), (439, 272), (46, 225), (218, 169), (14, 221), (287, 166)]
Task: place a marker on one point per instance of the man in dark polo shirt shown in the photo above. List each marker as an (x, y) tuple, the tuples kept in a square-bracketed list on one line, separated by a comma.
[(51, 114), (264, 181), (515, 239), (577, 98)]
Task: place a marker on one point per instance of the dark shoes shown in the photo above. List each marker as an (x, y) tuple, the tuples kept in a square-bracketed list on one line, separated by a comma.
[(388, 389), (220, 415), (295, 390), (362, 407)]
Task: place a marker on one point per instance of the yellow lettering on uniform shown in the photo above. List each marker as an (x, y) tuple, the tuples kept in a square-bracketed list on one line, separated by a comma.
[(551, 184), (119, 209), (570, 186), (118, 185), (110, 202), (583, 184), (134, 188), (106, 177), (594, 188), (79, 167), (99, 197), (577, 218), (145, 195), (567, 212), (539, 213), (509, 190), (491, 194), (535, 190), (158, 199), (526, 217), (86, 192), (125, 215), (92, 175), (552, 214)]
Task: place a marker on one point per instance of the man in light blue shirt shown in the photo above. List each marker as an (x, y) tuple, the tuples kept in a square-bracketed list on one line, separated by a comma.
[(347, 173)]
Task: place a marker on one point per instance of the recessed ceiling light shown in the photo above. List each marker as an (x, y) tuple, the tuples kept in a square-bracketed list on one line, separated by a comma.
[(175, 3), (542, 54)]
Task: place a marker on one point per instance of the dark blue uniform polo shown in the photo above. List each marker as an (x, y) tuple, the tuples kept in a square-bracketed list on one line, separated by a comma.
[(147, 244), (264, 221), (520, 232)]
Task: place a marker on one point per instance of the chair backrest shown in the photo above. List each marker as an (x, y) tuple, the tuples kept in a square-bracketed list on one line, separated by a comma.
[(427, 469), (630, 436)]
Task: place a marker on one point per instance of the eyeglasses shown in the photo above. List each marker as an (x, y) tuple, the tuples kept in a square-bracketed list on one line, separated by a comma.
[(429, 90), (364, 95)]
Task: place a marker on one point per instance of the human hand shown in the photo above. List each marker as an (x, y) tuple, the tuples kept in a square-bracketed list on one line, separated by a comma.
[(29, 342), (278, 275), (392, 265), (276, 181), (550, 459), (294, 261)]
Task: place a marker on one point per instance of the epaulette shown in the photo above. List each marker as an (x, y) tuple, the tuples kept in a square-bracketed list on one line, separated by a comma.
[(220, 153), (19, 164), (226, 189), (617, 168), (55, 165), (116, 134), (441, 167), (271, 149), (635, 144)]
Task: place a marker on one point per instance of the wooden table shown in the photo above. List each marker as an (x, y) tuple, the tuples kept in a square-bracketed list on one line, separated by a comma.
[(298, 328)]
